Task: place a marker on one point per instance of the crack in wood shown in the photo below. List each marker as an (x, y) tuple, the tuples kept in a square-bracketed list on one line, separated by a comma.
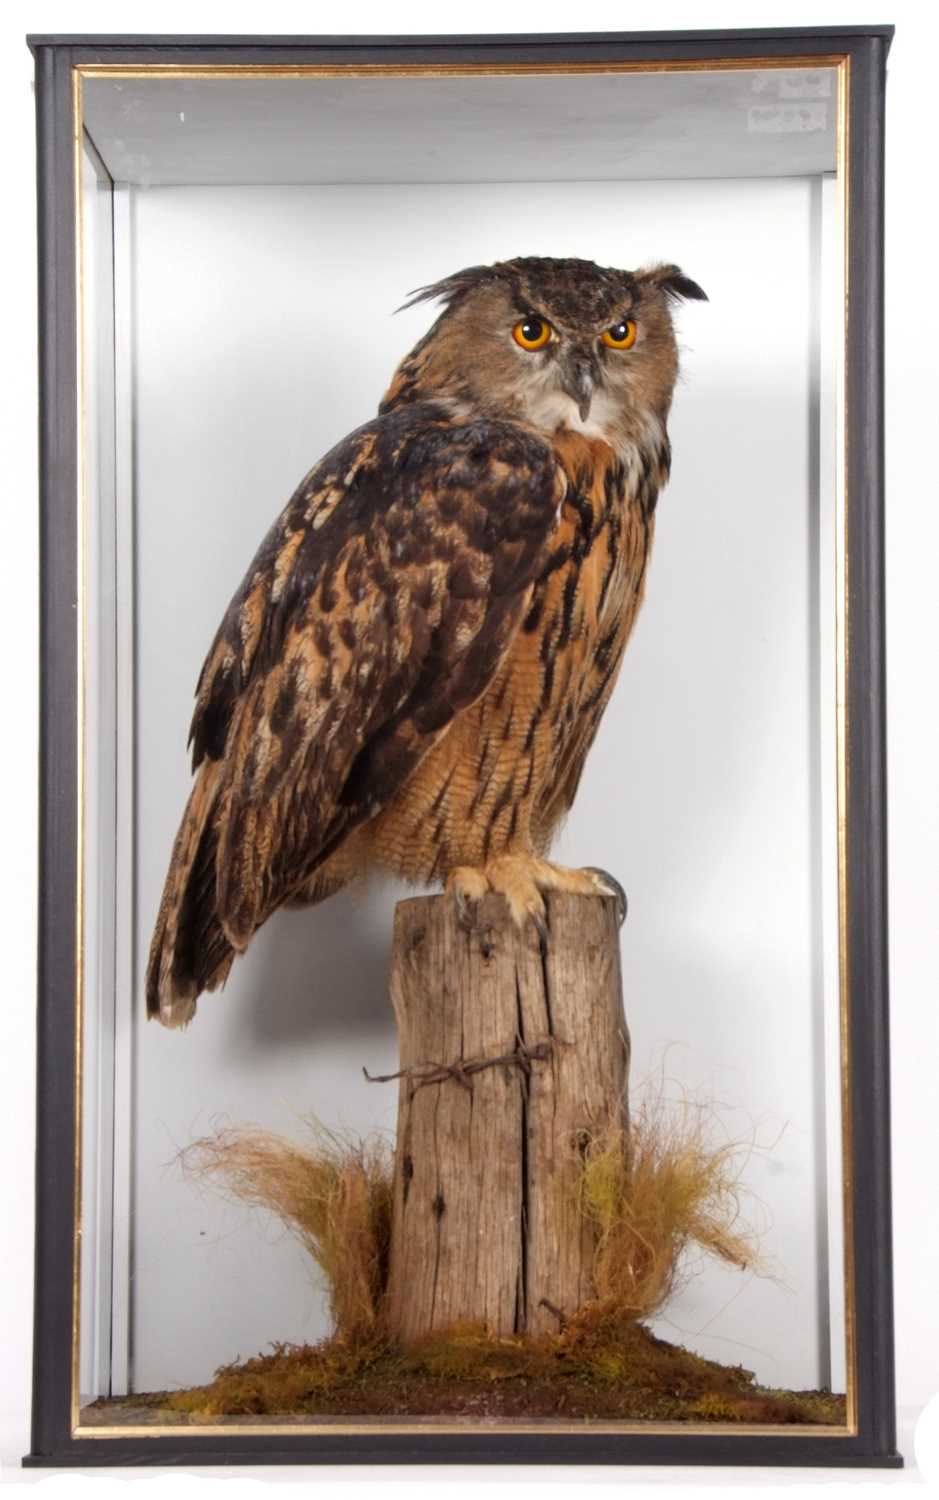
[(521, 1289), (437, 1217), (543, 953)]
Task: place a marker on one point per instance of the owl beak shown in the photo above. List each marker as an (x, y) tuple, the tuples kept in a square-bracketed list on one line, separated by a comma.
[(578, 380)]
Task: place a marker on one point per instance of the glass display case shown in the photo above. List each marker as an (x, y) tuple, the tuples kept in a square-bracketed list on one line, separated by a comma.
[(227, 227)]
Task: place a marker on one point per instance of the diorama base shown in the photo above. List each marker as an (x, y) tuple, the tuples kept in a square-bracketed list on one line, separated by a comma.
[(589, 1371)]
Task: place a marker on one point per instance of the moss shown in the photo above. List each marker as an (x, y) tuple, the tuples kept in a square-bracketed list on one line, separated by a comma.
[(594, 1369)]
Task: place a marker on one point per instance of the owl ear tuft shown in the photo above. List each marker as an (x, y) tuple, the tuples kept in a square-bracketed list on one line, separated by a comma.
[(673, 283), (450, 288)]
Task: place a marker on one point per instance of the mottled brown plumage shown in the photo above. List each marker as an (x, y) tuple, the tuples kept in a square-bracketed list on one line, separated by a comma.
[(415, 666)]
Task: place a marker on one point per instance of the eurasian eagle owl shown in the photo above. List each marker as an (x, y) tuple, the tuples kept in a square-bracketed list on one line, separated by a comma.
[(414, 668)]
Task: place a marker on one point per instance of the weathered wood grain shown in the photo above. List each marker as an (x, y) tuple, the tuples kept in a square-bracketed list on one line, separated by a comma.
[(486, 1223)]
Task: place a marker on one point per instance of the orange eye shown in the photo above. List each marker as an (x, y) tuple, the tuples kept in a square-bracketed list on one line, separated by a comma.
[(621, 335), (532, 333)]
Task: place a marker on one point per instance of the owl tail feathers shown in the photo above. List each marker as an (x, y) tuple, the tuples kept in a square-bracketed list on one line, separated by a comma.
[(190, 951)]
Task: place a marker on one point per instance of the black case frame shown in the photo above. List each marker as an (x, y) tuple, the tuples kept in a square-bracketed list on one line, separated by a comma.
[(868, 1195)]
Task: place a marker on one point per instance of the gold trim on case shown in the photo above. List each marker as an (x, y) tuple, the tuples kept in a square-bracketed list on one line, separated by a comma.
[(448, 70), (405, 1426), (841, 733), (408, 1426), (80, 748)]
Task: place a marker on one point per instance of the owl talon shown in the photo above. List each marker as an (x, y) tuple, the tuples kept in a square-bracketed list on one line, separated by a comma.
[(523, 880), (467, 886), (610, 886), (465, 911), (541, 927)]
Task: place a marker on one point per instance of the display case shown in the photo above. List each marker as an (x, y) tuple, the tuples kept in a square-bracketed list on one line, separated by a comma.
[(226, 227)]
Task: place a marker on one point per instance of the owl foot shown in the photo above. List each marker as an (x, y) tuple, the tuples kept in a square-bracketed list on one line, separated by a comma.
[(613, 888), (523, 880)]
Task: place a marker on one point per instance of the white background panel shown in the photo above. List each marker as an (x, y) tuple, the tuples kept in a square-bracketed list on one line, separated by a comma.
[(263, 334)]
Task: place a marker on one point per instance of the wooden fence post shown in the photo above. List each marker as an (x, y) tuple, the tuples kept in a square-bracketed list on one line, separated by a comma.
[(509, 1058)]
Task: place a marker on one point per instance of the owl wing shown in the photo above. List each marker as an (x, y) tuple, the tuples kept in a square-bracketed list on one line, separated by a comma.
[(377, 608)]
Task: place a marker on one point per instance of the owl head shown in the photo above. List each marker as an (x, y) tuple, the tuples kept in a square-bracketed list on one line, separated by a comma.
[(553, 343)]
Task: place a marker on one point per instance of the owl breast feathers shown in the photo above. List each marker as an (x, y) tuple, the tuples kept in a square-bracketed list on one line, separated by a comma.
[(412, 672)]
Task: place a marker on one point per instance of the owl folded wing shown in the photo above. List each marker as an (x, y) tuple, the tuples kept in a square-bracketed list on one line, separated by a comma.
[(379, 606)]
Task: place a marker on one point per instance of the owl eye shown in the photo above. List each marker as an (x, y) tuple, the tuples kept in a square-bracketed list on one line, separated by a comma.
[(621, 335), (532, 333)]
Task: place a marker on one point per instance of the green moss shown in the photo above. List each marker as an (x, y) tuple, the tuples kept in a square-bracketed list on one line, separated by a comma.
[(595, 1369)]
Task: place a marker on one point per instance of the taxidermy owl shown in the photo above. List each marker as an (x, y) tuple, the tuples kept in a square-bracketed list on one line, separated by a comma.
[(414, 668)]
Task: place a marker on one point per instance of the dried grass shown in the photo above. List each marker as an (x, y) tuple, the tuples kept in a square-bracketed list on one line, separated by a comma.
[(335, 1197), (653, 1195)]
